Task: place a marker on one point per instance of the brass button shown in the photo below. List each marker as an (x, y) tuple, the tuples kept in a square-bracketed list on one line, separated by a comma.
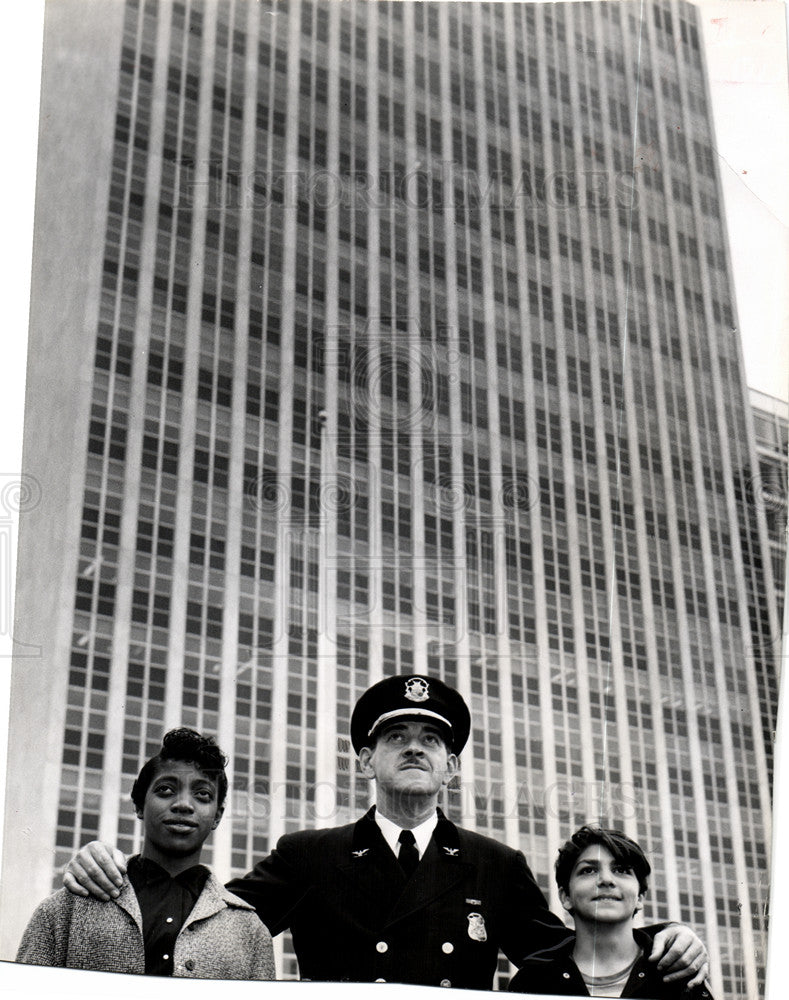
[(445, 982), (382, 946), (447, 947)]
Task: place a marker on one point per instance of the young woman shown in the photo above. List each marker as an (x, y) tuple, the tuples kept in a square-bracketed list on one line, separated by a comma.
[(172, 918)]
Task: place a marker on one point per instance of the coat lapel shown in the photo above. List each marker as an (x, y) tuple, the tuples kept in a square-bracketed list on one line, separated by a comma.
[(385, 896), (439, 871), (211, 900), (128, 901), (371, 869)]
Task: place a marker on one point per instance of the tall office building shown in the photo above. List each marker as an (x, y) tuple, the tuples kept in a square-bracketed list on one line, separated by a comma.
[(771, 427), (376, 337)]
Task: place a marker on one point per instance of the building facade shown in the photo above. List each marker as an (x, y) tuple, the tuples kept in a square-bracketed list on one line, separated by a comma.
[(771, 427), (390, 337)]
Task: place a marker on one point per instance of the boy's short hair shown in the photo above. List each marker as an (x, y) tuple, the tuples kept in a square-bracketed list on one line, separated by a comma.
[(190, 747), (622, 848)]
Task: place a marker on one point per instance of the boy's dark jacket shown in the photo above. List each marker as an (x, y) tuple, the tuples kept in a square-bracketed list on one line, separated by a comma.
[(554, 972)]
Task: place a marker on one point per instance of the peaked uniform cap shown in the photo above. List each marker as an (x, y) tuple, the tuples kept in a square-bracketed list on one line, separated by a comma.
[(410, 696)]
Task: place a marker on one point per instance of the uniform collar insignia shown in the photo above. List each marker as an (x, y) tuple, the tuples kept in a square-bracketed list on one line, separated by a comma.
[(360, 854), (446, 838)]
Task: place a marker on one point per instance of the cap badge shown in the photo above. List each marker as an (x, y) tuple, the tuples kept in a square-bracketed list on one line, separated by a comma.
[(416, 689), (476, 927)]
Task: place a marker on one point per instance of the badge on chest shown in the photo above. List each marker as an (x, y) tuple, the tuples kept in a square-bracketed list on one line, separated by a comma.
[(476, 927)]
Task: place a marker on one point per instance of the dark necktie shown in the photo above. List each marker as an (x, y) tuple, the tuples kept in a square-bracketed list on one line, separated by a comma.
[(409, 855)]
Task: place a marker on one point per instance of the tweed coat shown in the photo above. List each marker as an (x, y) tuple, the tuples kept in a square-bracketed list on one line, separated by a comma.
[(353, 915), (555, 973), (222, 937)]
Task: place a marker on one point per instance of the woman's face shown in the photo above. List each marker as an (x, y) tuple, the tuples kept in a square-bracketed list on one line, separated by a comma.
[(181, 808)]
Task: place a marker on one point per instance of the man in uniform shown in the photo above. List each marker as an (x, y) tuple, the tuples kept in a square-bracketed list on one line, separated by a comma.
[(403, 895)]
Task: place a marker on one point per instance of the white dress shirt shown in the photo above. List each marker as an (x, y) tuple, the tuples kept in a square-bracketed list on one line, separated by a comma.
[(422, 833)]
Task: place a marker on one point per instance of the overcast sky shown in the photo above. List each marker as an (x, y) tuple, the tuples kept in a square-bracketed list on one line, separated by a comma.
[(746, 51)]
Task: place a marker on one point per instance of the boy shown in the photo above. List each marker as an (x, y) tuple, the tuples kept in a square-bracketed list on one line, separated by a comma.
[(172, 918), (602, 879)]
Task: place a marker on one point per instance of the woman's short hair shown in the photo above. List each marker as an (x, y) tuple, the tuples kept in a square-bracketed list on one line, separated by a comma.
[(189, 747), (622, 848)]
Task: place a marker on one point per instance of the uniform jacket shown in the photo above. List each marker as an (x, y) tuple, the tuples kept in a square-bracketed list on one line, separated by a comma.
[(222, 937), (354, 916), (554, 972)]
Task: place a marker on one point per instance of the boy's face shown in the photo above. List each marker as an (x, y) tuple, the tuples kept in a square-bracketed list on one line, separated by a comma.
[(601, 889), (180, 810)]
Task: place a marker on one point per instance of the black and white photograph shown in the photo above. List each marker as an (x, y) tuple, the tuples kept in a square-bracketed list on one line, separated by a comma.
[(393, 511)]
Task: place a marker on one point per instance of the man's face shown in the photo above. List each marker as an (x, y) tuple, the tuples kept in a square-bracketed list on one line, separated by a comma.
[(601, 889), (180, 810), (409, 758)]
